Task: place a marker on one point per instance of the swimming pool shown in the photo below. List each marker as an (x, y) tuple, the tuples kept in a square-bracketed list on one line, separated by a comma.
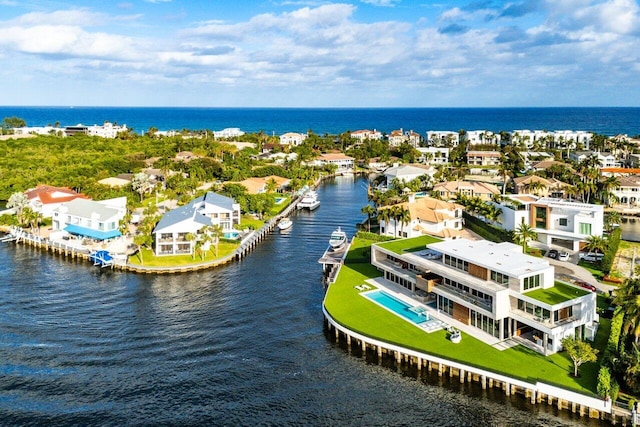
[(280, 200), (416, 315), (233, 235)]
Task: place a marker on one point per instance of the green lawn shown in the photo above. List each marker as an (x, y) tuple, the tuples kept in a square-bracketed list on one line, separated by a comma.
[(593, 268), (560, 292), (413, 244), (225, 247), (347, 307), (249, 222)]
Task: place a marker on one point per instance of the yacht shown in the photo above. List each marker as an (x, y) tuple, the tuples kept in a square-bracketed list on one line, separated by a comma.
[(309, 201), (338, 239), (285, 223)]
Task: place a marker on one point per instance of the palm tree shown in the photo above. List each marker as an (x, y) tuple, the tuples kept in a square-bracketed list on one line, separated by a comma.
[(384, 215), (216, 233), (611, 220), (523, 234), (192, 237), (403, 216), (607, 185), (596, 244), (369, 211), (628, 299)]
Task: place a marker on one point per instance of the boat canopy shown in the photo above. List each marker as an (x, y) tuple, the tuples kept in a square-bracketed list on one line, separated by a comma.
[(94, 234)]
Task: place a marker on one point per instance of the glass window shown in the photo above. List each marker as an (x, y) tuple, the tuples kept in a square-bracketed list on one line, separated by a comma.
[(585, 228), (532, 282), (563, 222)]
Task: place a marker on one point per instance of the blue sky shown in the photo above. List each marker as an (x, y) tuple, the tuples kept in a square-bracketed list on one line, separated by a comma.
[(296, 53)]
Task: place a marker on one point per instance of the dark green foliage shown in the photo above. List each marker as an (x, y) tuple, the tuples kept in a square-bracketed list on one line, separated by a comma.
[(486, 231), (612, 249)]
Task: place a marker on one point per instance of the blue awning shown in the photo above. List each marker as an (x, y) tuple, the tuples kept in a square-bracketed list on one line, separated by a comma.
[(94, 234)]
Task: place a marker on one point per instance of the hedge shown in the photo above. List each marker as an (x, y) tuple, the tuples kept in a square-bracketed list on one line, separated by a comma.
[(486, 231), (612, 248)]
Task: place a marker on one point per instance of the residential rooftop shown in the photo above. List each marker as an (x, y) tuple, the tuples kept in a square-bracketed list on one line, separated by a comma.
[(557, 294), (503, 257)]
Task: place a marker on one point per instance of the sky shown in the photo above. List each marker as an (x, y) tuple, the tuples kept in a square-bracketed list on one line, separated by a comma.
[(297, 53)]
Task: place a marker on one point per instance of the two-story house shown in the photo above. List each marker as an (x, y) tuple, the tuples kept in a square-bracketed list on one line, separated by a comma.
[(555, 221), (500, 294), (212, 209), (98, 220), (426, 216)]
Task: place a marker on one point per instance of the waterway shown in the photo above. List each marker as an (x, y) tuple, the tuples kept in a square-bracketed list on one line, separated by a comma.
[(238, 345)]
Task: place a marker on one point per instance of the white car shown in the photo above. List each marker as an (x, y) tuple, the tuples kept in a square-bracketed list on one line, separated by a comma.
[(563, 256)]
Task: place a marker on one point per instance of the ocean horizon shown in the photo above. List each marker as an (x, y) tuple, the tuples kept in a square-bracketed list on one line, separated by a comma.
[(608, 121)]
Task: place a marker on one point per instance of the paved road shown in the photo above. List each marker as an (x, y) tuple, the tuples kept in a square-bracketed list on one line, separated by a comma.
[(568, 268)]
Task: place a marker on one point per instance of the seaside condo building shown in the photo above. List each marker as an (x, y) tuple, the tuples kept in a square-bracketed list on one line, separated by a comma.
[(501, 295)]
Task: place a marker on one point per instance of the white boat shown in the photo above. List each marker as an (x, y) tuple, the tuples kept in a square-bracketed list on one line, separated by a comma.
[(338, 239), (285, 223), (309, 201)]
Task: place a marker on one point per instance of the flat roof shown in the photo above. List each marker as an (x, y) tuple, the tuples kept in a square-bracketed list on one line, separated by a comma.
[(502, 257)]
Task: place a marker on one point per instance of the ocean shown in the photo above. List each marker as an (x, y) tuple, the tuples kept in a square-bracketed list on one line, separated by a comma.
[(275, 121)]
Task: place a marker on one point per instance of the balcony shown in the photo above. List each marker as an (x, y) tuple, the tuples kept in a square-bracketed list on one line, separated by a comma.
[(478, 302)]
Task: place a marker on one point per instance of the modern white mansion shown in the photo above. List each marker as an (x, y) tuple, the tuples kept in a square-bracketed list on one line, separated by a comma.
[(505, 296), (556, 221)]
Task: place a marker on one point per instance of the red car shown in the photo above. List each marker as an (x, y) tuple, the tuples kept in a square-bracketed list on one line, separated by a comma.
[(586, 285)]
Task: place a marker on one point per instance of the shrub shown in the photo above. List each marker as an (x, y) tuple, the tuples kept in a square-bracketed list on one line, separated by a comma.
[(373, 236), (612, 249), (486, 231)]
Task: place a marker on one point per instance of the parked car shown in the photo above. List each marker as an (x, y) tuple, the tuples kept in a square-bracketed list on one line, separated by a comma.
[(563, 256), (591, 256), (553, 254), (586, 285)]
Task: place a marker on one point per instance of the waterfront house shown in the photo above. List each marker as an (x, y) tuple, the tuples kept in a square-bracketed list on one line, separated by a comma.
[(364, 134), (258, 185), (483, 158), (555, 221), (97, 220), (605, 160), (407, 173), (482, 137), (398, 137), (449, 190), (292, 138), (438, 138), (227, 133), (498, 293), (426, 216), (539, 186), (628, 192), (170, 234), (44, 199), (342, 162), (434, 155)]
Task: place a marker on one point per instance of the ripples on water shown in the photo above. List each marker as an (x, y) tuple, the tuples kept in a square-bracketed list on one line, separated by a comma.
[(238, 345)]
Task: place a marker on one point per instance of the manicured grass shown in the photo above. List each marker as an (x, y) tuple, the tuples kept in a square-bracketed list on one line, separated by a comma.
[(225, 248), (557, 294), (279, 207), (347, 307), (249, 222), (414, 244)]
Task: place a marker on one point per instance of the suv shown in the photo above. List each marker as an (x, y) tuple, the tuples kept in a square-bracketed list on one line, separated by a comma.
[(591, 256), (563, 256), (553, 254)]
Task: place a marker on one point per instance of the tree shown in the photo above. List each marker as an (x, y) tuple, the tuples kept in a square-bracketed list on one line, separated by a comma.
[(579, 351), (18, 201), (523, 234), (628, 299), (384, 215), (141, 183), (369, 211), (216, 233), (596, 244), (13, 122), (402, 215)]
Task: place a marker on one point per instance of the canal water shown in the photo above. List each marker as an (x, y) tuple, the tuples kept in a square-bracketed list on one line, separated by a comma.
[(238, 345)]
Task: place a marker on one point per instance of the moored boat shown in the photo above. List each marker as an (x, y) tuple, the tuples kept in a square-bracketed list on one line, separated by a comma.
[(338, 239), (285, 223), (309, 201)]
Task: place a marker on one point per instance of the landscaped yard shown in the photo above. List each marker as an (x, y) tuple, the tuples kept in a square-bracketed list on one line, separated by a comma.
[(560, 292), (225, 248), (347, 307)]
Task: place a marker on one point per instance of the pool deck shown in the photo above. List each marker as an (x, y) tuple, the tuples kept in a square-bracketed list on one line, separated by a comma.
[(406, 296)]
